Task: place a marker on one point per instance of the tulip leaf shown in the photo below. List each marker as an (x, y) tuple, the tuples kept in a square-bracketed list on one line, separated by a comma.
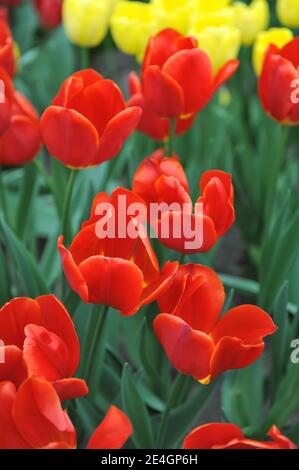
[(28, 272), (136, 411)]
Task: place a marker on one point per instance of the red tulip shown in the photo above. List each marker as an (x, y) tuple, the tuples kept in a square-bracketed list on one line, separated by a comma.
[(49, 11), (7, 56), (22, 140), (40, 340), (6, 101), (118, 271), (177, 77), (279, 83), (32, 418), (196, 340), (229, 436), (93, 115), (151, 124), (162, 180), (146, 178)]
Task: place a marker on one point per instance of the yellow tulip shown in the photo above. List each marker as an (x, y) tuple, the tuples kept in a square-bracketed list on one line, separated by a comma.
[(251, 19), (200, 21), (86, 22), (277, 36), (132, 24), (208, 6), (288, 12), (173, 14), (221, 44)]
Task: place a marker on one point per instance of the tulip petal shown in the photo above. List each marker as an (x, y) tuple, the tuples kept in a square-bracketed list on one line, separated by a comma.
[(213, 434), (21, 142), (55, 318), (14, 316), (225, 73), (69, 136), (157, 287), (68, 389), (13, 368), (113, 432), (192, 70), (46, 354), (189, 351), (171, 230), (72, 272), (112, 281), (247, 322), (117, 131), (196, 295), (10, 438), (162, 93), (39, 417), (232, 353)]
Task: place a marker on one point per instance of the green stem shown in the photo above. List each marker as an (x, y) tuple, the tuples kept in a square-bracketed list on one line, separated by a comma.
[(41, 170), (85, 59), (172, 126), (3, 196), (65, 224), (172, 401), (93, 336), (274, 170)]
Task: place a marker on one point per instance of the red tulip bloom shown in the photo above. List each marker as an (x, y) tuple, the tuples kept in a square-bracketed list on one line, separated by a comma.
[(22, 140), (49, 11), (147, 177), (162, 180), (88, 121), (151, 124), (177, 77), (32, 418), (230, 436), (279, 82), (4, 14), (40, 340), (196, 340), (117, 270), (7, 56)]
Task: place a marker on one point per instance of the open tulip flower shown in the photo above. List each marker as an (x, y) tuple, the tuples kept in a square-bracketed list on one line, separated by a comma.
[(177, 77), (278, 82), (230, 436), (7, 56), (196, 340), (6, 100), (162, 180), (21, 142), (92, 112), (40, 340), (121, 272), (32, 418)]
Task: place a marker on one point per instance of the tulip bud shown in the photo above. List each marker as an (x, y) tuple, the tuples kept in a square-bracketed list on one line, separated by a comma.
[(251, 19), (277, 36), (86, 22), (288, 12)]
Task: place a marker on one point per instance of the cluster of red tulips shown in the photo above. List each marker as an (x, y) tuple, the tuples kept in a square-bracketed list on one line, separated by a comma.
[(86, 124)]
